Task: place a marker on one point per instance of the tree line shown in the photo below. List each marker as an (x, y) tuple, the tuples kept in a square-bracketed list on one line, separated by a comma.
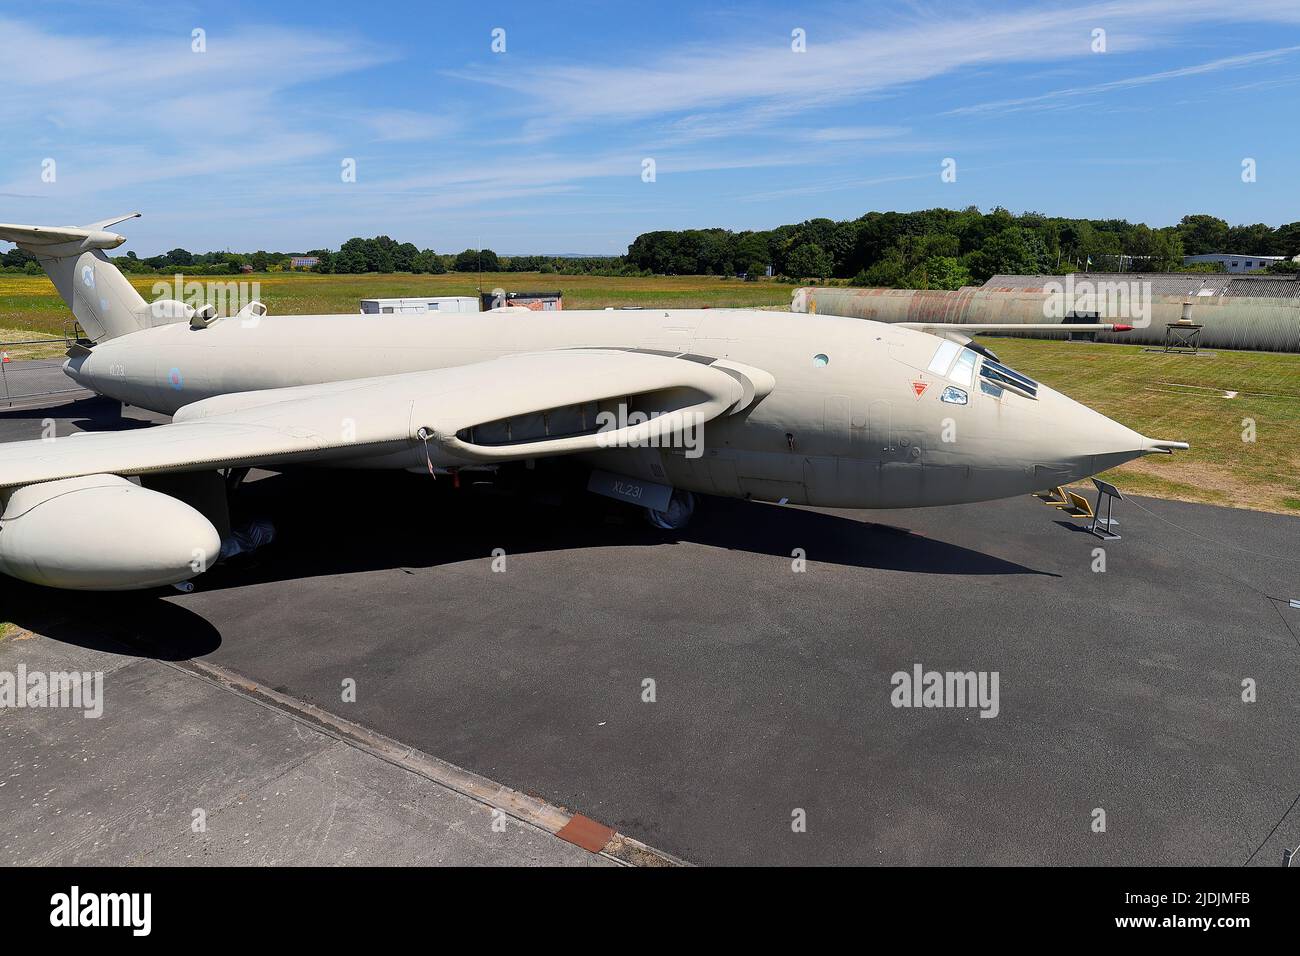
[(382, 254), (929, 249), (948, 248), (354, 257)]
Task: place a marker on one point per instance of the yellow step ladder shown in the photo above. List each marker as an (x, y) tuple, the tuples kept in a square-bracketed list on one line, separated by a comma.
[(1075, 505)]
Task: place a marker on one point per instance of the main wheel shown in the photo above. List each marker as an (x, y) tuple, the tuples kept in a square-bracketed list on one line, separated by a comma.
[(678, 513)]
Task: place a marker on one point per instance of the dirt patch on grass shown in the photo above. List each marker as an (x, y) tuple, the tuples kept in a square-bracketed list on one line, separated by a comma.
[(1202, 483)]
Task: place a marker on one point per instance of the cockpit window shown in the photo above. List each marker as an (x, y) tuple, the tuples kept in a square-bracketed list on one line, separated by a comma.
[(943, 356), (999, 374), (957, 363), (964, 370)]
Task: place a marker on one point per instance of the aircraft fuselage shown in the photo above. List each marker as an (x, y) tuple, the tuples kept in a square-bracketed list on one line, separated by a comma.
[(863, 414)]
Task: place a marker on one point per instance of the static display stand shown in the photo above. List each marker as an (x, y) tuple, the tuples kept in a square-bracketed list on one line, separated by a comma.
[(1182, 337), (1110, 493)]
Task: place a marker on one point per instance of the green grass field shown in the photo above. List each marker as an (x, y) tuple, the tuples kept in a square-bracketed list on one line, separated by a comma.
[(1182, 397), (1163, 396), (30, 304)]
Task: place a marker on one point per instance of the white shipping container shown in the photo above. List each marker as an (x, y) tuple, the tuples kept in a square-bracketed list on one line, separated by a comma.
[(418, 306)]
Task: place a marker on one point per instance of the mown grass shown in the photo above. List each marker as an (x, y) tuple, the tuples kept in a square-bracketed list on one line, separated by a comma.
[(35, 350), (1163, 396), (30, 303)]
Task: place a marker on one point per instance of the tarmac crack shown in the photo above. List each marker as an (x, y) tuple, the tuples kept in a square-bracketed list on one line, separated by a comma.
[(1279, 823)]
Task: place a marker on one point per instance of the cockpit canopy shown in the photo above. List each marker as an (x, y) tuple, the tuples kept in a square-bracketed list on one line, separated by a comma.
[(960, 364)]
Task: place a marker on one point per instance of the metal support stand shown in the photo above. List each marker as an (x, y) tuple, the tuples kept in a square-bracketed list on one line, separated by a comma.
[(1110, 493), (1182, 337)]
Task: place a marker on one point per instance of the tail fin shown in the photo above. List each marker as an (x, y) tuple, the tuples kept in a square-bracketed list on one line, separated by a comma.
[(101, 299)]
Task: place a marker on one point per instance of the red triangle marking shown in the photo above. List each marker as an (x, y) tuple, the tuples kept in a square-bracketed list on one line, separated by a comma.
[(919, 388)]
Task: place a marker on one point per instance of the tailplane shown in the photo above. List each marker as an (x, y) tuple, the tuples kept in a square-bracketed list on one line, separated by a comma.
[(102, 300)]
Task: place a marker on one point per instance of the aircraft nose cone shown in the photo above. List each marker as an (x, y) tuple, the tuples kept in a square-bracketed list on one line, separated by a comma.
[(1085, 441)]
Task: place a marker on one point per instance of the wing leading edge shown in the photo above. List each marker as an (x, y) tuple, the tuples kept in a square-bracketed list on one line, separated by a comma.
[(442, 410)]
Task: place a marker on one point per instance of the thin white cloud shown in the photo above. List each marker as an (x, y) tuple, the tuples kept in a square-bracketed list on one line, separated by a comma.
[(407, 126), (532, 170), (842, 65), (849, 134), (47, 72), (120, 112), (245, 140), (833, 185), (1055, 97)]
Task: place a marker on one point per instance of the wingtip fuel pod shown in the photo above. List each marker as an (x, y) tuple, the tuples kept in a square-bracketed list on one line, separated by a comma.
[(102, 533)]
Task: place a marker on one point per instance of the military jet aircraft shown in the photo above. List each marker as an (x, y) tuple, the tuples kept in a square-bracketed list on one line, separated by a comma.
[(659, 404)]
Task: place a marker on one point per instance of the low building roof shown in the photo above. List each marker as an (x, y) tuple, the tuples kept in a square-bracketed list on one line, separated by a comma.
[(1167, 283)]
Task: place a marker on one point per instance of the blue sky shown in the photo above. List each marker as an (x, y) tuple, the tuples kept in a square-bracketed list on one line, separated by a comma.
[(541, 148)]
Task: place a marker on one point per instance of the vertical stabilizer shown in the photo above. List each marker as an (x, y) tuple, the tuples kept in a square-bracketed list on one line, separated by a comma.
[(102, 300)]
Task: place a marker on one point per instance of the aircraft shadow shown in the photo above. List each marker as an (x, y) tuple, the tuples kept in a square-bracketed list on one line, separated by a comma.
[(335, 523), (134, 624), (91, 414), (94, 407)]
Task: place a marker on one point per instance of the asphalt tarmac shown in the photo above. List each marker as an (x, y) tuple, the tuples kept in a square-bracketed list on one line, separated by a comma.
[(771, 731)]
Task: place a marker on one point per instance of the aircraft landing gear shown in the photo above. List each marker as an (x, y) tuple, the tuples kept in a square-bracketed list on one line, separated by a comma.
[(677, 515)]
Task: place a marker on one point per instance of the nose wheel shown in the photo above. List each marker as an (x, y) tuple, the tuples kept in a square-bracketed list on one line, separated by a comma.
[(677, 515)]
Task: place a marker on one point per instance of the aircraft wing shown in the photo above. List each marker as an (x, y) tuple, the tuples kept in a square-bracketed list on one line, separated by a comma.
[(519, 406)]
